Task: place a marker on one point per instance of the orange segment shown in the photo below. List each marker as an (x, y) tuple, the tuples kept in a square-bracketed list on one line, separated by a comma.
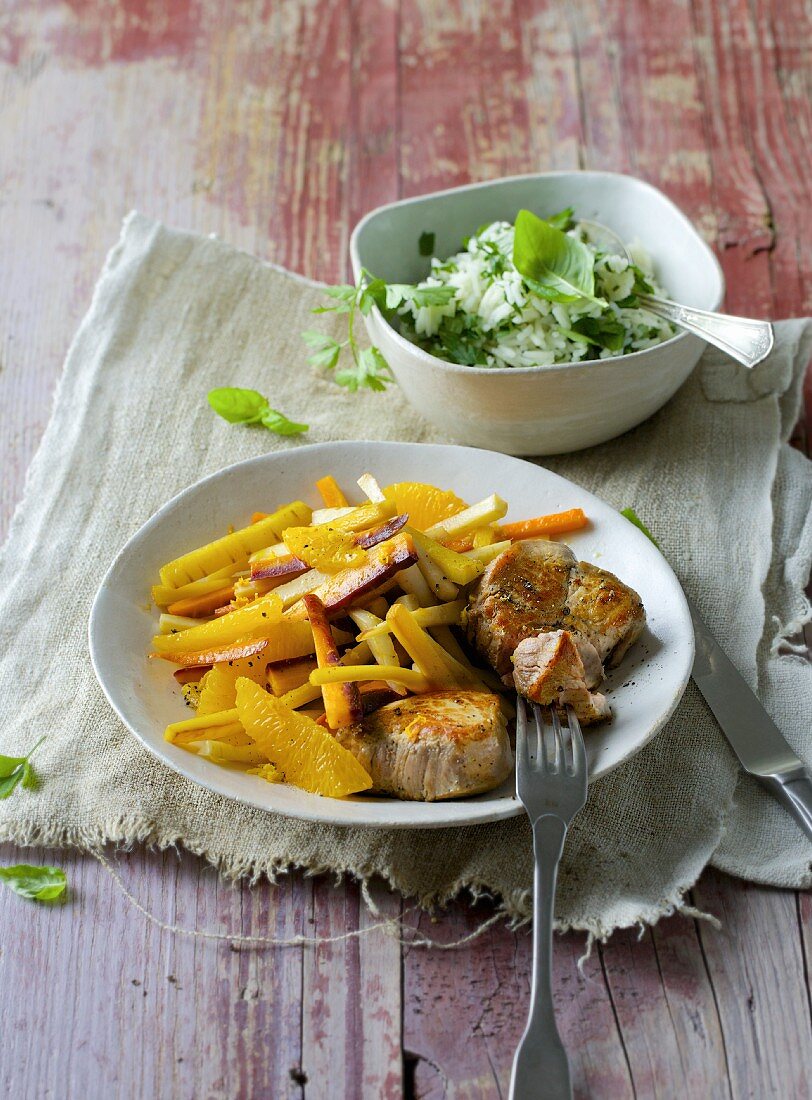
[(326, 548), (425, 504), (307, 754), (218, 688)]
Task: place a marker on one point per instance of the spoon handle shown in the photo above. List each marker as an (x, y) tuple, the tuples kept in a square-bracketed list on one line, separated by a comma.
[(745, 340)]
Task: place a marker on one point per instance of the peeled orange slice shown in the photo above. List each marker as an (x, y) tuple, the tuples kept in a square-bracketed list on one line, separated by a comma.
[(218, 688), (425, 504), (326, 548), (307, 754)]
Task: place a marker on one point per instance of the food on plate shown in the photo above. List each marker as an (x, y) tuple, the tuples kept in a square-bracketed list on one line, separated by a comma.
[(548, 623), (338, 659), (444, 744)]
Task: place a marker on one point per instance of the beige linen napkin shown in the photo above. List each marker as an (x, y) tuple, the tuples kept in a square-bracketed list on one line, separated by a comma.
[(175, 314)]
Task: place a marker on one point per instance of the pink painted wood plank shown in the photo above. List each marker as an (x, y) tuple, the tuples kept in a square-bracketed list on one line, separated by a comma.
[(465, 1012), (664, 1005), (756, 965), (350, 999), (115, 1006)]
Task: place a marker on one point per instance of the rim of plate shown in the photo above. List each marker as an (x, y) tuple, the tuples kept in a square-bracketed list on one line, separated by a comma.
[(496, 805)]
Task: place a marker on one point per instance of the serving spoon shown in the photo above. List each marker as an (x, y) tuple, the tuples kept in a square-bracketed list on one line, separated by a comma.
[(745, 340)]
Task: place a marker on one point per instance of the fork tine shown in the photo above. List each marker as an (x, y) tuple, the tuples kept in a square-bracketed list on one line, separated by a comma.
[(522, 750), (579, 765), (542, 760), (558, 736)]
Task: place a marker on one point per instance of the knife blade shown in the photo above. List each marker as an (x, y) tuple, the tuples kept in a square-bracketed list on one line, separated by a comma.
[(761, 747)]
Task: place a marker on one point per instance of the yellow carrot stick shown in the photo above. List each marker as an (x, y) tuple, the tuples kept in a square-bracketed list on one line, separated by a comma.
[(415, 681)]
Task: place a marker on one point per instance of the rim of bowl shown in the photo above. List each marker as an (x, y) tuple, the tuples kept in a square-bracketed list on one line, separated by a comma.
[(445, 364)]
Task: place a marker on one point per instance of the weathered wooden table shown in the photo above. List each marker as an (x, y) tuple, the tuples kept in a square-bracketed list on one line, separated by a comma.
[(276, 125)]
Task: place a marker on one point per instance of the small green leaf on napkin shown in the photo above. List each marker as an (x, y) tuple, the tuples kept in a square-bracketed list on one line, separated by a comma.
[(554, 265), (425, 244), (15, 770), (36, 883), (239, 406), (633, 517)]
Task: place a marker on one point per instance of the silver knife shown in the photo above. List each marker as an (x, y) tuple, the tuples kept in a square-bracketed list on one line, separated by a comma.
[(759, 744)]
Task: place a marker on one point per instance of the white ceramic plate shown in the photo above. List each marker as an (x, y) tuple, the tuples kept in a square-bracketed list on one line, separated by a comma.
[(643, 692)]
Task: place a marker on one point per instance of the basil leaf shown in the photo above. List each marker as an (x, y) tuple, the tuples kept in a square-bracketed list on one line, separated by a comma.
[(17, 769), (633, 517), (9, 764), (606, 332), (236, 405), (641, 283), (277, 422), (36, 883), (558, 267), (425, 244), (239, 406), (563, 220)]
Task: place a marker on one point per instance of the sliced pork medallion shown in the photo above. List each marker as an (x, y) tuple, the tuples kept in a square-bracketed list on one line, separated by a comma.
[(538, 586), (549, 668), (522, 592), (446, 744)]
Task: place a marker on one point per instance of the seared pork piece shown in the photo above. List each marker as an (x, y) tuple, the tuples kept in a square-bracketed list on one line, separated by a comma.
[(446, 744), (538, 586), (549, 669), (605, 611), (521, 593)]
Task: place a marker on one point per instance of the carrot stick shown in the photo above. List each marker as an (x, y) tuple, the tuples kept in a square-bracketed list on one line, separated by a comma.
[(555, 524), (342, 702), (331, 493), (200, 607)]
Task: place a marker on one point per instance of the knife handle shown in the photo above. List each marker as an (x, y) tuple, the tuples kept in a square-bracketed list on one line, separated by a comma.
[(795, 792)]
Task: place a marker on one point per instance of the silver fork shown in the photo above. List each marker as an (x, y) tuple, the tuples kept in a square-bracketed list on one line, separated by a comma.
[(551, 781)]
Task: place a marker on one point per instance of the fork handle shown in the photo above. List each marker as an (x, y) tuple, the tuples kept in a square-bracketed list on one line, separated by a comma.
[(540, 1066)]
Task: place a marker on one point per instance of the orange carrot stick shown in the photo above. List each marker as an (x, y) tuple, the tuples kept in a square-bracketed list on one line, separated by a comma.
[(198, 607), (331, 493), (342, 702), (555, 524), (257, 516)]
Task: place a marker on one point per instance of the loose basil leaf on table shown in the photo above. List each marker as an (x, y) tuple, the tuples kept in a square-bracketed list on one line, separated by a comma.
[(17, 770), (554, 265), (242, 406), (35, 883)]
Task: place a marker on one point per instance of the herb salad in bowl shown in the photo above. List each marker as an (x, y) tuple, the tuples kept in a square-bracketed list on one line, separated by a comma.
[(505, 327)]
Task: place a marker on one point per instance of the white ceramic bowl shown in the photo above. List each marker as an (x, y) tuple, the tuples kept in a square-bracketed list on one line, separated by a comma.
[(539, 410), (643, 692)]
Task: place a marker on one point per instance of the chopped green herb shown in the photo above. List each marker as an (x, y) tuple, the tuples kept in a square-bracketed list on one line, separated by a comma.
[(425, 244)]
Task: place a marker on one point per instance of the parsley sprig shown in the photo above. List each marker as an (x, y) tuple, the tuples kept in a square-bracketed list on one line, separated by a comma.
[(364, 368)]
